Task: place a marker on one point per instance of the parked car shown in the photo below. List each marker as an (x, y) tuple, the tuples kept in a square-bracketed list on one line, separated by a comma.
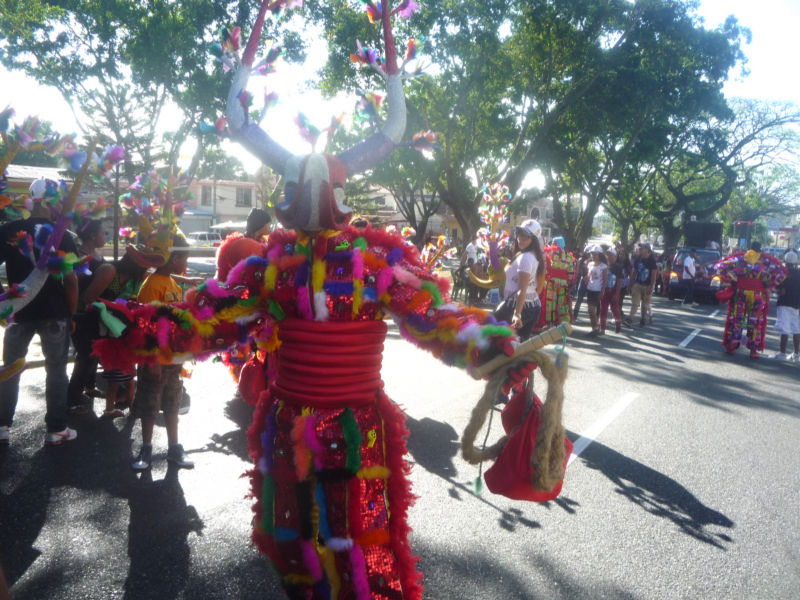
[(204, 238), (706, 282)]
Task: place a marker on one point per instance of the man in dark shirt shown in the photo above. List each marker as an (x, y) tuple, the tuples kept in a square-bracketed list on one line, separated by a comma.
[(49, 314), (788, 319), (643, 280)]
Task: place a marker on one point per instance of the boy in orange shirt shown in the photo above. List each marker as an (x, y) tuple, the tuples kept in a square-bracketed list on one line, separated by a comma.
[(159, 386)]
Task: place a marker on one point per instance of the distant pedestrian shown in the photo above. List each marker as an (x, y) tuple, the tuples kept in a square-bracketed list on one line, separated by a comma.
[(625, 264), (788, 321), (611, 295), (596, 284), (48, 314), (688, 276), (643, 278), (159, 386), (583, 278)]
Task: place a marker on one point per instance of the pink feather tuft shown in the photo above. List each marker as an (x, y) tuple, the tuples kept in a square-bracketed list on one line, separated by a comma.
[(162, 334), (235, 274), (385, 278), (213, 288), (444, 285), (304, 303), (311, 560), (360, 582)]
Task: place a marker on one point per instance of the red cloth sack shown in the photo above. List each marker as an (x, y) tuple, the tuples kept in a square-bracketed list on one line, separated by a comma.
[(252, 380), (725, 293), (511, 473)]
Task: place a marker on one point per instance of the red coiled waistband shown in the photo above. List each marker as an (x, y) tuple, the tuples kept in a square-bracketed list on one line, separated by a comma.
[(750, 283), (329, 363)]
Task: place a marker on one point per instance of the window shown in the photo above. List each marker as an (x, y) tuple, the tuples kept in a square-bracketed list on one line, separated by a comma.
[(535, 213), (244, 197), (205, 196)]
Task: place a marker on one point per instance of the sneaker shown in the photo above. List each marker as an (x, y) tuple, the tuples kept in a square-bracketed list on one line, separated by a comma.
[(641, 323), (177, 456), (781, 356), (593, 333), (5, 434), (795, 357), (627, 322), (601, 332), (617, 327), (54, 438), (142, 462)]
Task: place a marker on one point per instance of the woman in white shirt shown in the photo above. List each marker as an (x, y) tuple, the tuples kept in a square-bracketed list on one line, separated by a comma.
[(524, 281), (597, 279)]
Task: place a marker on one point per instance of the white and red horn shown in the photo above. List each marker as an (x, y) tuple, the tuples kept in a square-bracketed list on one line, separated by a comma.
[(378, 146)]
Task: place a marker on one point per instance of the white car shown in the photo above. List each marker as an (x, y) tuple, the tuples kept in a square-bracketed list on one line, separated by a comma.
[(204, 238)]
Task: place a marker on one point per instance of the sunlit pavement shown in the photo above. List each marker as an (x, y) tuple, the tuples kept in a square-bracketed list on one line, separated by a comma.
[(682, 492)]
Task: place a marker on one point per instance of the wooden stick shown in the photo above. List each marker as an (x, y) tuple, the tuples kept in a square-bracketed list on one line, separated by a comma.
[(551, 336)]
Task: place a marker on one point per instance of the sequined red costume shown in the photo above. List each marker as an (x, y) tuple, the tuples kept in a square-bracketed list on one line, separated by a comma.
[(330, 478)]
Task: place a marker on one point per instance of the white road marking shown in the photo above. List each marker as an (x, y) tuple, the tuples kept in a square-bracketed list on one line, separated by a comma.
[(689, 338), (597, 428), (714, 314)]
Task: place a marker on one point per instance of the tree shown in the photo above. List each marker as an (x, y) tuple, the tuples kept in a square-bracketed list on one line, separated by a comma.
[(774, 192), (663, 70), (713, 158), (120, 63), (464, 101)]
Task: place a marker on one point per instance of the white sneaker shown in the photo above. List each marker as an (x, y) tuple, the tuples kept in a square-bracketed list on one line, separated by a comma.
[(780, 356), (794, 357), (55, 438), (5, 434)]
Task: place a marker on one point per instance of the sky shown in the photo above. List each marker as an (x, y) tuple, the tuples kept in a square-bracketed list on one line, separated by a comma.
[(775, 45)]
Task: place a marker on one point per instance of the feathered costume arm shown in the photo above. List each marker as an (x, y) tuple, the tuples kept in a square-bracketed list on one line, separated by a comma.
[(419, 303)]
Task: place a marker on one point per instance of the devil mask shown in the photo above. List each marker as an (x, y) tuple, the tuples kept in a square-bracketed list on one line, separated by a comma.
[(314, 194)]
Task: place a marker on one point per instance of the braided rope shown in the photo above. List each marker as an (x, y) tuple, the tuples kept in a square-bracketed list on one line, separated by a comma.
[(548, 455)]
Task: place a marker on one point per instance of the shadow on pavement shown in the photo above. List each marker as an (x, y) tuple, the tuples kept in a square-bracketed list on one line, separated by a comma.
[(658, 494), (158, 546), (235, 441), (31, 482), (487, 575)]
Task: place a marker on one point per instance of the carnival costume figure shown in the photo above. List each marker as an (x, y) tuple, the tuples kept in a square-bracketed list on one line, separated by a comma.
[(330, 478), (560, 272), (752, 275)]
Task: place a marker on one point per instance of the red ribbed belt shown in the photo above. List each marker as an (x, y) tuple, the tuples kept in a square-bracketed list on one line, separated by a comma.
[(327, 364), (750, 283)]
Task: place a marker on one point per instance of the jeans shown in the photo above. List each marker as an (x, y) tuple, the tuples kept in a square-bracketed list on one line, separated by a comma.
[(54, 335), (85, 367), (689, 297), (581, 293)]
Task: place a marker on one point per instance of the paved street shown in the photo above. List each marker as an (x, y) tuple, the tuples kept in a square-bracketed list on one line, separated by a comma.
[(686, 485)]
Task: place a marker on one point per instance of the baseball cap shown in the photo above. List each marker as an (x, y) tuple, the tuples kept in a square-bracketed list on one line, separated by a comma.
[(531, 227)]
